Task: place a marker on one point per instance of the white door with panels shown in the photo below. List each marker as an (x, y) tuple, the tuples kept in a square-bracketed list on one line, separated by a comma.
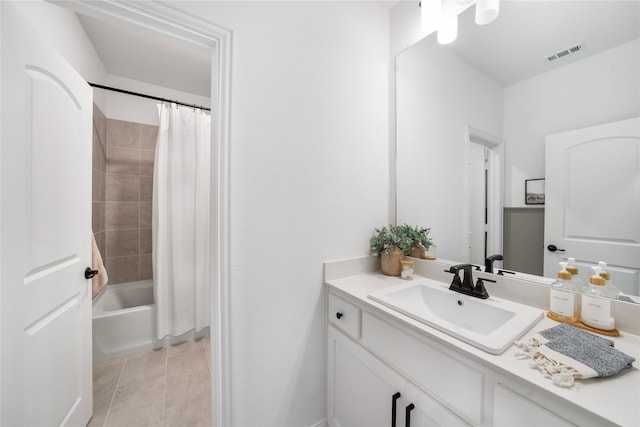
[(45, 233), (592, 202)]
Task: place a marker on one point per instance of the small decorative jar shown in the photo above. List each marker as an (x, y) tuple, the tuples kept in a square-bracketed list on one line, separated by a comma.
[(407, 269)]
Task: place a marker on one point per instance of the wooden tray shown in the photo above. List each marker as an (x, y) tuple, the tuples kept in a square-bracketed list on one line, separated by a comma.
[(579, 324)]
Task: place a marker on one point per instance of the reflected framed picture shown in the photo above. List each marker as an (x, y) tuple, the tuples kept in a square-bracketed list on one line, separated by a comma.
[(534, 191)]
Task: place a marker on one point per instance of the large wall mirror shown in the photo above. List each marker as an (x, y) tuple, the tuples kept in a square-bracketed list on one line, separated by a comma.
[(472, 118)]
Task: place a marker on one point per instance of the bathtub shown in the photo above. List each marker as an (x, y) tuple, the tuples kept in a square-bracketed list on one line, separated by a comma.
[(124, 322)]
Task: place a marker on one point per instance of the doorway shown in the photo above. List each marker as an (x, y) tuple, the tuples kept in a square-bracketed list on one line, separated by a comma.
[(484, 191), (164, 20)]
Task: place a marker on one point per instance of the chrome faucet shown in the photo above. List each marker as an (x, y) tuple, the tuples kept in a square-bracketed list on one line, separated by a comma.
[(466, 286)]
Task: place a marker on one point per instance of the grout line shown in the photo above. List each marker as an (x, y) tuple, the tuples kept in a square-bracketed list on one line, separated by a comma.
[(166, 369), (115, 391)]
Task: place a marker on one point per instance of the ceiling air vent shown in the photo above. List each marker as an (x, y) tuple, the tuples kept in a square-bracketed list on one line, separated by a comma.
[(565, 52)]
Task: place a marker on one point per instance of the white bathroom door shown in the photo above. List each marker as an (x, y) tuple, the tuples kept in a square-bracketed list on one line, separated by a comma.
[(45, 172), (592, 201)]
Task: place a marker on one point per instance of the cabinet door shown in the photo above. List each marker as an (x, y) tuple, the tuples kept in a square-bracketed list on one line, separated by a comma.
[(427, 412), (360, 387)]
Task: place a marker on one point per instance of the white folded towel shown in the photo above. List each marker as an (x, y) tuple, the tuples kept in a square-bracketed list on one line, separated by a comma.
[(99, 280)]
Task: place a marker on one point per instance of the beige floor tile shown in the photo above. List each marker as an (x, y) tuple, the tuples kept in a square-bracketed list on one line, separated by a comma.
[(105, 381), (185, 347), (188, 401), (191, 413), (166, 387), (145, 366), (138, 403), (206, 341), (188, 374)]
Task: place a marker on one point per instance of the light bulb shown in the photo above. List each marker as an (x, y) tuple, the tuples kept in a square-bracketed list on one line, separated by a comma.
[(448, 30), (487, 11), (431, 12)]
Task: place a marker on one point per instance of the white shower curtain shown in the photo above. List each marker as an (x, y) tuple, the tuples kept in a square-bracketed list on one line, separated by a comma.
[(181, 221)]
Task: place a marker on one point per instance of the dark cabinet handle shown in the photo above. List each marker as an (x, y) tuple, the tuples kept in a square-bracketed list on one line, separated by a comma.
[(553, 248), (407, 416), (89, 273), (394, 398), (338, 315)]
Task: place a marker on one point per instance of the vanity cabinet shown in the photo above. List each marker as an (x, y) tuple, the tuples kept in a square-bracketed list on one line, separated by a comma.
[(511, 409), (378, 368), (364, 391)]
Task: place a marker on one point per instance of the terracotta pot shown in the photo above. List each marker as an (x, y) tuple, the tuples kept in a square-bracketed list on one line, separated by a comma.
[(390, 264), (417, 251)]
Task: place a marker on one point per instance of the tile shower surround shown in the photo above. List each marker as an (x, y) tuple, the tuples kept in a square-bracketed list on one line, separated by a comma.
[(130, 153), (99, 177)]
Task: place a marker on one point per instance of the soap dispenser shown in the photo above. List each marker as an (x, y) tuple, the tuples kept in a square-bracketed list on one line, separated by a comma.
[(609, 290), (577, 281), (596, 307), (564, 300)]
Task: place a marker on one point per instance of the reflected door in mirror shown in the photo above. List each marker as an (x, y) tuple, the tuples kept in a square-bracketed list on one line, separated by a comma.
[(593, 200)]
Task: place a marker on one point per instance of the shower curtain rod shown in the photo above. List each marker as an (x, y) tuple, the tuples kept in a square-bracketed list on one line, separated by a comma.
[(142, 95)]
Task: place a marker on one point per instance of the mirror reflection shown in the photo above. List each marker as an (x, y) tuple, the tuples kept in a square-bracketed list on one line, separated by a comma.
[(473, 118)]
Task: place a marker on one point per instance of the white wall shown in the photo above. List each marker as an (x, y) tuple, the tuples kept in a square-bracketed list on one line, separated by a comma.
[(141, 110), (63, 30), (309, 182), (598, 89), (437, 96)]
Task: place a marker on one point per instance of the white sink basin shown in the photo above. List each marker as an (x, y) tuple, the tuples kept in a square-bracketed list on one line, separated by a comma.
[(491, 325)]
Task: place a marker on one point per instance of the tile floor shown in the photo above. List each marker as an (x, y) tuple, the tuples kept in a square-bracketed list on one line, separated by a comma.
[(166, 387)]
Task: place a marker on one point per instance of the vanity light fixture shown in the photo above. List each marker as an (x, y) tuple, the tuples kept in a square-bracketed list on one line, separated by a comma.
[(442, 16), (487, 11)]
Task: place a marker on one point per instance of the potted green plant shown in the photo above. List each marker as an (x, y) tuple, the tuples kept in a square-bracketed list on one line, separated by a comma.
[(390, 247), (392, 243), (420, 240)]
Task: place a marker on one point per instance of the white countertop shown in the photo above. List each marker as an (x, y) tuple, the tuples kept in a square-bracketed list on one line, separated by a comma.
[(615, 398)]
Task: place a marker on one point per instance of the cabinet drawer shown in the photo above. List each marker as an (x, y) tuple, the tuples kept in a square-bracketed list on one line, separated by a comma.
[(344, 315), (457, 384)]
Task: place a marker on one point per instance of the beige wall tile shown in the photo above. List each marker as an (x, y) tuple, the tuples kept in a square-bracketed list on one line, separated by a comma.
[(98, 153), (123, 242), (121, 215), (123, 269), (123, 134), (97, 185), (147, 159), (146, 267), (146, 188), (123, 188), (146, 242), (97, 216), (123, 161), (148, 137), (100, 242), (145, 215)]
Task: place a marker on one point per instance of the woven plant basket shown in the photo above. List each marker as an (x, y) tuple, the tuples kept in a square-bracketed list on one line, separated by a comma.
[(390, 264)]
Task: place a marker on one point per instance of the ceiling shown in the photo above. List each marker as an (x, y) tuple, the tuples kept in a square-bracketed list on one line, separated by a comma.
[(515, 46), (130, 51), (510, 49)]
